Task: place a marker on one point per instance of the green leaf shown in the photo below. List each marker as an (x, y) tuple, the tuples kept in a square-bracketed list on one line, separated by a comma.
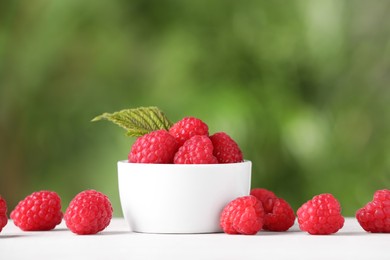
[(138, 121)]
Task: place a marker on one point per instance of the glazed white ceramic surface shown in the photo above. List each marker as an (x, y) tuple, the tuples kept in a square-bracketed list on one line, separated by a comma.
[(179, 198)]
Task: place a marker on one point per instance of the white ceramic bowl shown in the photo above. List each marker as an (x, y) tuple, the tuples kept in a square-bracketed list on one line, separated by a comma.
[(179, 198)]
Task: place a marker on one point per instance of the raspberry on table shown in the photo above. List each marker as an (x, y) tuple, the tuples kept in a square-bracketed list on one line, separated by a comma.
[(279, 216), (197, 150), (375, 215), (188, 127), (3, 213), (243, 215), (225, 148), (265, 196), (156, 147), (89, 212), (39, 211), (320, 215)]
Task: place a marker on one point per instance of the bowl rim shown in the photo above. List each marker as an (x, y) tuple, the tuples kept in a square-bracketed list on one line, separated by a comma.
[(126, 162)]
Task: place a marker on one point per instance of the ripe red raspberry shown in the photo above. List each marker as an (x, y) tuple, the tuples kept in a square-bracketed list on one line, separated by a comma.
[(3, 213), (188, 127), (375, 215), (88, 213), (320, 215), (243, 215), (265, 196), (197, 150), (279, 216), (40, 210), (226, 149), (156, 147)]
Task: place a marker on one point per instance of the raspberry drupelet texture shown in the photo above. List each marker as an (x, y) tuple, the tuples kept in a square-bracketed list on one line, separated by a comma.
[(197, 150), (225, 148), (265, 196), (188, 127), (320, 215), (88, 213), (375, 215), (3, 213), (156, 147), (279, 216), (39, 211), (243, 215)]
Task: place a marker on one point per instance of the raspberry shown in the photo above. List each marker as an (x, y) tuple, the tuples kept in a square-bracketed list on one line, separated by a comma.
[(3, 213), (243, 215), (88, 213), (279, 216), (40, 210), (265, 196), (320, 215), (156, 147), (188, 127), (225, 148), (375, 215), (197, 150)]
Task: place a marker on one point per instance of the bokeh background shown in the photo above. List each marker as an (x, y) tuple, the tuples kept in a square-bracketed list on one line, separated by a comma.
[(302, 86)]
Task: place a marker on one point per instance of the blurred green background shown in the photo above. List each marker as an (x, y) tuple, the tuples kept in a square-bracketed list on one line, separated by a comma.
[(302, 86)]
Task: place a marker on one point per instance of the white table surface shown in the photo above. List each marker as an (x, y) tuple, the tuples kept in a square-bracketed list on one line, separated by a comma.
[(117, 242)]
